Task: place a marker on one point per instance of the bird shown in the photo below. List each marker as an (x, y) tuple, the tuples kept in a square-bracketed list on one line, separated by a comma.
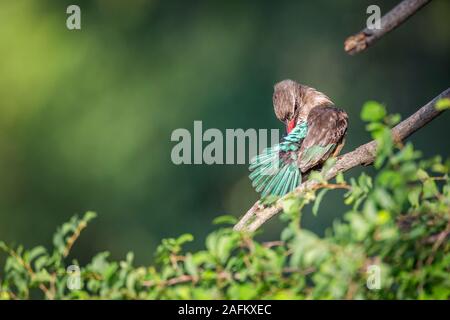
[(315, 131)]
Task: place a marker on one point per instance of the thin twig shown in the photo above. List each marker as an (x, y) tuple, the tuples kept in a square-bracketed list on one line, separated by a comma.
[(248, 216), (388, 22), (440, 240), (220, 276), (74, 238), (270, 244)]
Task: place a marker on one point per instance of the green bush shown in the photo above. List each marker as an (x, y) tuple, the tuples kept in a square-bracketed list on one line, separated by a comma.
[(398, 221)]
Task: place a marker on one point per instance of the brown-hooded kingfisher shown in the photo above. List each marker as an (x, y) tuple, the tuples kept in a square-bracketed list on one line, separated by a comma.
[(315, 131)]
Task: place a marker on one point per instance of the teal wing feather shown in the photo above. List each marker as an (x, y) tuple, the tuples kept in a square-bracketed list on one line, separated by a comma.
[(275, 171)]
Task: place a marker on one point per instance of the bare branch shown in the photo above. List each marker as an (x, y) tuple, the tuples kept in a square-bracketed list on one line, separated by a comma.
[(389, 22), (363, 155)]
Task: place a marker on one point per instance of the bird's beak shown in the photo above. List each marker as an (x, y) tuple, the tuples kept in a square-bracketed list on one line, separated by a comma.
[(290, 124)]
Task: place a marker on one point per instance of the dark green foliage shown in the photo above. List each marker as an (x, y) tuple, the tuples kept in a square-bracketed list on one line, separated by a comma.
[(399, 220)]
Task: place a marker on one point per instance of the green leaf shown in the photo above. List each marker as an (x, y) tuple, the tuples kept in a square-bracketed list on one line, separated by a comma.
[(360, 227), (422, 174), (375, 126), (40, 262), (327, 166), (393, 119), (429, 189), (384, 199), (89, 215), (35, 252), (413, 196), (383, 217), (291, 206), (190, 265), (390, 178), (42, 276), (319, 198), (242, 292), (225, 219), (287, 234), (225, 244), (3, 246), (202, 257), (443, 104), (316, 176), (340, 178), (373, 111), (187, 237)]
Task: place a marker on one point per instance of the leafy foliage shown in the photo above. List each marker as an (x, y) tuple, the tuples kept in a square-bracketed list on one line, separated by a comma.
[(398, 220)]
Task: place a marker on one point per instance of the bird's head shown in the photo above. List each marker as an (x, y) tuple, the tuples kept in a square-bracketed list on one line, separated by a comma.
[(292, 102)]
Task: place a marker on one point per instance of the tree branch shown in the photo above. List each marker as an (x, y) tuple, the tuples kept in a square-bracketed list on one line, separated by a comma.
[(363, 155), (389, 22)]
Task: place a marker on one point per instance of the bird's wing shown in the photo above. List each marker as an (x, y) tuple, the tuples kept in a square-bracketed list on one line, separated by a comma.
[(275, 171), (326, 129)]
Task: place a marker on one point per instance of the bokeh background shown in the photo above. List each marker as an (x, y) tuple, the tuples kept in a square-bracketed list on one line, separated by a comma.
[(86, 116)]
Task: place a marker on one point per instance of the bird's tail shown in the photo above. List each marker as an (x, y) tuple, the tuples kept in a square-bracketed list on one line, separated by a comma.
[(274, 174), (275, 171)]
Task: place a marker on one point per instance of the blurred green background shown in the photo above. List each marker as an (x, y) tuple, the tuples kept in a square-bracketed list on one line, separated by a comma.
[(86, 116)]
